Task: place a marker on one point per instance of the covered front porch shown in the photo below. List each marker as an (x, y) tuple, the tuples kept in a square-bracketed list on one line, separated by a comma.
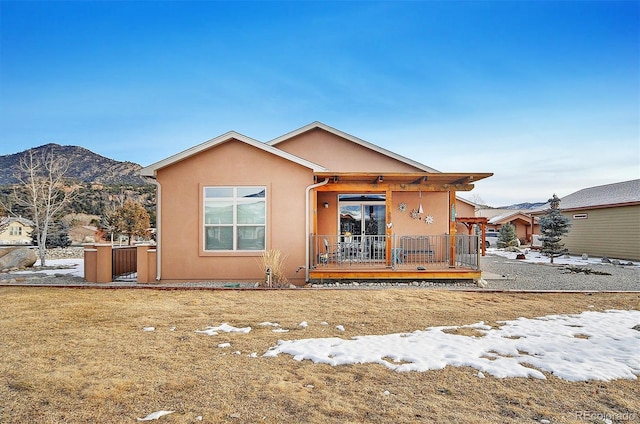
[(391, 226), (394, 257)]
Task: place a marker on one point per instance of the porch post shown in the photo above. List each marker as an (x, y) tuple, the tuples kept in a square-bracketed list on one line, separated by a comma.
[(389, 227), (452, 228)]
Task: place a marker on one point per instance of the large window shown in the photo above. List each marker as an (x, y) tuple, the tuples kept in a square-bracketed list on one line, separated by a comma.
[(234, 218), (15, 231)]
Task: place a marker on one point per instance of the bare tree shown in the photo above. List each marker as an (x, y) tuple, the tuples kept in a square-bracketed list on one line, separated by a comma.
[(4, 223), (478, 200), (41, 190)]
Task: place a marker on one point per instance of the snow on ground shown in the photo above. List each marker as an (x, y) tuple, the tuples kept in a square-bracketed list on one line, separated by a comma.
[(72, 267), (536, 257), (589, 346), (225, 328)]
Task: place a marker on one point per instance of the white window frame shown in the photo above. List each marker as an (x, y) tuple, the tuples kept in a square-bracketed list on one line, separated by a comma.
[(15, 231), (235, 200)]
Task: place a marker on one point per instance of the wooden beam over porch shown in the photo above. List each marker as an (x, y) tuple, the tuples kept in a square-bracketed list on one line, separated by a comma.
[(405, 180), (380, 187)]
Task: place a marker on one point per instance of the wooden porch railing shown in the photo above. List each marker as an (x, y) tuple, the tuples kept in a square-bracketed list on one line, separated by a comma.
[(429, 251)]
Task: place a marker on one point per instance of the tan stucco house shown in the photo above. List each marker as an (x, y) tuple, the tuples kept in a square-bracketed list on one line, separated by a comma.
[(526, 225), (18, 230), (337, 206), (605, 220)]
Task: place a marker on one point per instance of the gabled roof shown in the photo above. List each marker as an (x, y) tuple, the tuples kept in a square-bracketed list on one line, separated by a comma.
[(24, 221), (616, 194), (493, 212), (468, 202), (509, 217), (353, 139), (150, 171)]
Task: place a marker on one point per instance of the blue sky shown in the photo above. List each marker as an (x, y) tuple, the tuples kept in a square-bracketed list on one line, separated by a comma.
[(544, 94)]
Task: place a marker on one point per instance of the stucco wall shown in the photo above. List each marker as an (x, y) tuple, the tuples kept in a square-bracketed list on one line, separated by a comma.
[(340, 155), (230, 164), (464, 210), (612, 232), (435, 204), (24, 238)]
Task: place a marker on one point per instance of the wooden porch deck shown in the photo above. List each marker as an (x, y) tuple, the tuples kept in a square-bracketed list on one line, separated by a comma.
[(401, 272)]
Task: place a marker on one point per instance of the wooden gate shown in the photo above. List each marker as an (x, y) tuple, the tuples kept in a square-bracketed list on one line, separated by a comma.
[(124, 262)]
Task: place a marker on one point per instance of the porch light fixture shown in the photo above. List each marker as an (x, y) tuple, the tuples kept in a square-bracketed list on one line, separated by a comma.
[(326, 205), (420, 210)]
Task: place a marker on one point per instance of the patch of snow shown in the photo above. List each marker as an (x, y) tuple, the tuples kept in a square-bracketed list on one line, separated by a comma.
[(148, 329), (280, 330), (303, 324), (155, 415), (340, 327), (71, 267), (269, 324), (536, 257), (223, 345), (225, 328), (208, 332), (525, 347)]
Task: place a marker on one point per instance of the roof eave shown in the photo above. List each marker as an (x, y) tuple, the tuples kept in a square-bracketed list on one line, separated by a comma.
[(151, 170)]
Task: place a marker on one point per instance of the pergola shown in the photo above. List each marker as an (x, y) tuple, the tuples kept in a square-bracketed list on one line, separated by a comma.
[(470, 222)]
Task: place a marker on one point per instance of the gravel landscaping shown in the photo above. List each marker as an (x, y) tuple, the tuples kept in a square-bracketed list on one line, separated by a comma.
[(511, 274), (499, 272)]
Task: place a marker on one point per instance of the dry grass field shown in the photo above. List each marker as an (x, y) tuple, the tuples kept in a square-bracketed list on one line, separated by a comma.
[(81, 355)]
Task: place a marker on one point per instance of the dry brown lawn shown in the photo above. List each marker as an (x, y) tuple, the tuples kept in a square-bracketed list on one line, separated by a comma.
[(81, 355)]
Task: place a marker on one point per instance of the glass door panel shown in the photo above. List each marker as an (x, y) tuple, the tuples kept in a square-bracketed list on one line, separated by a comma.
[(375, 217), (350, 219), (362, 230)]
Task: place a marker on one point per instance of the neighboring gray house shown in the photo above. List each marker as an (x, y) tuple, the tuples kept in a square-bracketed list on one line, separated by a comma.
[(605, 220)]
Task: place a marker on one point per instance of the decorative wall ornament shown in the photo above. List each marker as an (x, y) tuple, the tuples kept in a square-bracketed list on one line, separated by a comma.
[(428, 219), (415, 214), (402, 207)]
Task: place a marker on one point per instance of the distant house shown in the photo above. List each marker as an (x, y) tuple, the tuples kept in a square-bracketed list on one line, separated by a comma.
[(18, 230), (525, 224), (85, 234), (605, 220), (337, 206)]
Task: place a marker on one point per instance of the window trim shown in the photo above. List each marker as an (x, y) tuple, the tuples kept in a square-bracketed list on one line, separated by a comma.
[(234, 225)]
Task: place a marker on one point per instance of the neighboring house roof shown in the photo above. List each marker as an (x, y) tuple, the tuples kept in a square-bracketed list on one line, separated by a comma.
[(616, 194), (150, 171), (468, 202), (509, 217), (353, 139), (490, 213), (24, 221)]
